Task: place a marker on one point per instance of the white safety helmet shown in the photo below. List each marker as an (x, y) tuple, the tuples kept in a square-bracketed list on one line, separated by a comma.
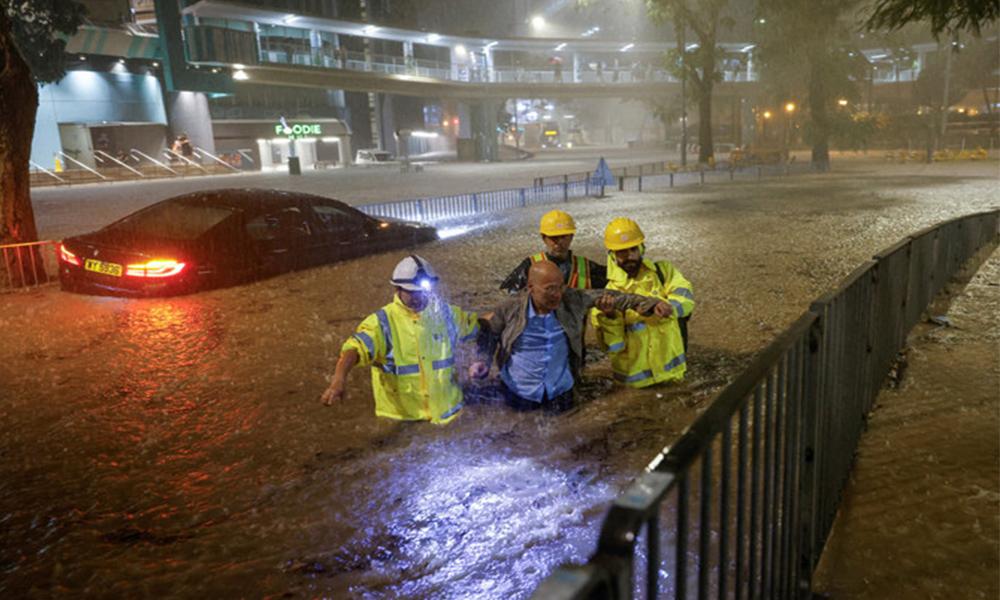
[(414, 274)]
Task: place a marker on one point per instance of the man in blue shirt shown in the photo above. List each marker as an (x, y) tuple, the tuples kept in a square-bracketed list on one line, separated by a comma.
[(540, 337)]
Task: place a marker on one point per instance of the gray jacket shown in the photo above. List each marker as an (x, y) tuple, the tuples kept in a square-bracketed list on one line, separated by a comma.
[(511, 317)]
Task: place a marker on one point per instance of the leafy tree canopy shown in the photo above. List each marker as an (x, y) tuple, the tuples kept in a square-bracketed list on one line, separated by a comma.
[(39, 28), (944, 15)]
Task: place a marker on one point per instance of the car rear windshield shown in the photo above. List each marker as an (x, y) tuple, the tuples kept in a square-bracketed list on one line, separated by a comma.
[(174, 220)]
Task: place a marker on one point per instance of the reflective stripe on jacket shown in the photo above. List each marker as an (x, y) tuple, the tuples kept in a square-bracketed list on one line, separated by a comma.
[(646, 350), (412, 359), (579, 275)]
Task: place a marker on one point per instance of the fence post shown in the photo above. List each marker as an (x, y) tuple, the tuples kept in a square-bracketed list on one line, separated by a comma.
[(702, 176), (602, 189), (420, 209), (475, 202), (806, 528), (565, 188), (621, 183), (586, 186), (524, 201), (671, 179), (640, 181)]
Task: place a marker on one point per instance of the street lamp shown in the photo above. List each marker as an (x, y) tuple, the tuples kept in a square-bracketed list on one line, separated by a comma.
[(789, 111), (763, 125), (842, 102)]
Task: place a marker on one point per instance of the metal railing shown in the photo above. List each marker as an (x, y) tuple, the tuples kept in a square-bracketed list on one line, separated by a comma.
[(441, 208), (28, 265), (765, 466)]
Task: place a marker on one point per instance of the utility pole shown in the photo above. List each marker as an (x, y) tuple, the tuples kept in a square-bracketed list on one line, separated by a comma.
[(684, 110), (945, 103)]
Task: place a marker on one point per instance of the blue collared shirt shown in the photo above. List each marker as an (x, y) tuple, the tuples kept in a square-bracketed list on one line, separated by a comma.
[(538, 366)]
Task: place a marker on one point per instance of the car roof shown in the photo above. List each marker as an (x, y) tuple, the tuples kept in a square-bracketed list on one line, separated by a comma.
[(249, 199)]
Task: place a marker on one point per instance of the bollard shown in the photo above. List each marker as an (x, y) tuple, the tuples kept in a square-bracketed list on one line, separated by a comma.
[(671, 179), (621, 183), (565, 189), (602, 189), (640, 180), (702, 176)]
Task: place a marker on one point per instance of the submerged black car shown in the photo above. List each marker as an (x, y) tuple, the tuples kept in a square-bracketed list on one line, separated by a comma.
[(224, 237)]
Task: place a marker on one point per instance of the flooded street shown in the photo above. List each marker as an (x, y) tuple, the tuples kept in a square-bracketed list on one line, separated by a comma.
[(178, 446)]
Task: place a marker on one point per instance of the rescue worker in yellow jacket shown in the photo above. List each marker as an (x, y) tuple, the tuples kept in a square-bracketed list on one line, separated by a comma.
[(410, 346), (644, 350), (557, 229)]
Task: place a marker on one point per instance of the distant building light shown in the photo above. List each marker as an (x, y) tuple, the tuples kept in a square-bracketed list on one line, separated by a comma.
[(330, 139), (121, 61), (370, 29), (767, 114), (842, 102), (691, 47), (82, 57), (762, 21), (569, 116), (433, 37), (455, 121), (290, 18), (790, 107), (538, 22), (627, 47), (550, 107), (424, 134), (239, 67), (460, 50), (560, 46), (240, 75), (156, 64)]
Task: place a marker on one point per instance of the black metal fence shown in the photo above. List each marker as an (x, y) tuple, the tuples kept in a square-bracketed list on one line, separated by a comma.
[(749, 492)]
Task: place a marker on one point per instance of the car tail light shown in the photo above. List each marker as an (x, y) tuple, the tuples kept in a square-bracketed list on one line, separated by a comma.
[(155, 268), (68, 256)]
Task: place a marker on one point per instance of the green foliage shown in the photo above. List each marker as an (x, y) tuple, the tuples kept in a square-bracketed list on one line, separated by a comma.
[(39, 28), (853, 130), (943, 15)]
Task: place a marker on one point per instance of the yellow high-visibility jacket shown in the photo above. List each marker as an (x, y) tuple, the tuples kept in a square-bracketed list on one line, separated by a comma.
[(646, 350), (412, 360)]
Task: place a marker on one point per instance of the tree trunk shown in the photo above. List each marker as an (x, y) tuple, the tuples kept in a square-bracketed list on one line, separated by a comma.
[(18, 105), (705, 145), (818, 112)]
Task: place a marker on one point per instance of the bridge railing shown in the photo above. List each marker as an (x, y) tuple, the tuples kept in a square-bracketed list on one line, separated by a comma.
[(744, 501)]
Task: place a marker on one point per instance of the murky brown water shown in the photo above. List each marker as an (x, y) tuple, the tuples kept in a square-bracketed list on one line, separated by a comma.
[(177, 446)]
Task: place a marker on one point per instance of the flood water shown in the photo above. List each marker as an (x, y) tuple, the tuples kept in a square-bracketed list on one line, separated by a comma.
[(178, 446)]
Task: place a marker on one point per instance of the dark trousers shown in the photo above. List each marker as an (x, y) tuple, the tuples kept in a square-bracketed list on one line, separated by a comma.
[(560, 403)]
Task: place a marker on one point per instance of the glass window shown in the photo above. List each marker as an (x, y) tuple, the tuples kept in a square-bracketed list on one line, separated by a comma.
[(338, 219), (280, 224), (173, 220)]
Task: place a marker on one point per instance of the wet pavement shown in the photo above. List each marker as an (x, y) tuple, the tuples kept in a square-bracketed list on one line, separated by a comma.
[(921, 513), (178, 447)]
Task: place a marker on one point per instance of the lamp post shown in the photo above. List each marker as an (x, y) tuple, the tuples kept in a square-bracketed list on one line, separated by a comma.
[(789, 111)]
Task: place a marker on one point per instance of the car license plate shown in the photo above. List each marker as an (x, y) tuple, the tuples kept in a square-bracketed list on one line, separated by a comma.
[(99, 266)]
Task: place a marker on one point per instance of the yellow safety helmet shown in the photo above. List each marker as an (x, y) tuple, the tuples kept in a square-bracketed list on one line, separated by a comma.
[(622, 233), (557, 222)]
